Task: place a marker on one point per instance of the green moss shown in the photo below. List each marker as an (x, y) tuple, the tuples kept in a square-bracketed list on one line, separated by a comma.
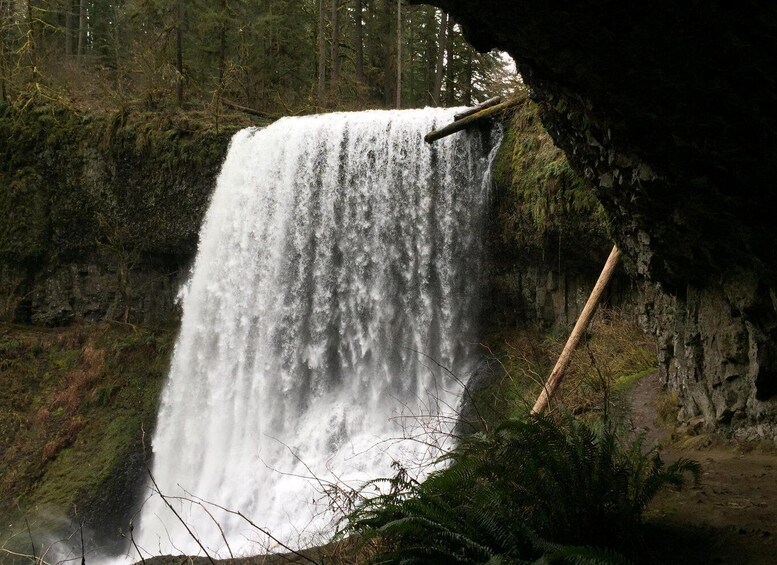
[(74, 408), (71, 185), (626, 382), (76, 473), (540, 197)]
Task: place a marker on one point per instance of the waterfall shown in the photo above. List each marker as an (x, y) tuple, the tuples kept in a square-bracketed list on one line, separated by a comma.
[(336, 280)]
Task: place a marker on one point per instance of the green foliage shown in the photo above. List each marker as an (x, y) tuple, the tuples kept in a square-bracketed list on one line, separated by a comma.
[(73, 409), (541, 197), (126, 183), (541, 490), (264, 54)]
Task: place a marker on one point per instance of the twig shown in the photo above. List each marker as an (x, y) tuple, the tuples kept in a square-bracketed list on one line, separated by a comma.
[(605, 384), (260, 529), (83, 552), (201, 505), (185, 525), (459, 381), (32, 543), (25, 555), (134, 544)]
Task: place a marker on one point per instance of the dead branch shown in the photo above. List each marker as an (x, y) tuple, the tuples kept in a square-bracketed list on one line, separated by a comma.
[(247, 110), (471, 120)]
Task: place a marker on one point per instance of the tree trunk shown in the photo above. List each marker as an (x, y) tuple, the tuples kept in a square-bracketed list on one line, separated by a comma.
[(321, 53), (430, 48), (450, 87), (399, 55), (468, 83), (412, 25), (335, 75), (488, 112), (82, 23), (250, 111), (223, 44), (388, 44), (487, 104), (179, 52), (117, 39), (70, 17), (440, 68), (359, 31), (6, 21), (32, 48)]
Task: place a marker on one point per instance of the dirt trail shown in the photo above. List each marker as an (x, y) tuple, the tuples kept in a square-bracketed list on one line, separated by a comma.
[(729, 518)]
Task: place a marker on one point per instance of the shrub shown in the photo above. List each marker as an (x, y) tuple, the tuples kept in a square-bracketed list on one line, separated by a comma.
[(537, 489)]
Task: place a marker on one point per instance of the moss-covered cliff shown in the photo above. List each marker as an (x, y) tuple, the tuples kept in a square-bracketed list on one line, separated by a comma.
[(99, 222), (75, 405), (100, 214), (547, 233)]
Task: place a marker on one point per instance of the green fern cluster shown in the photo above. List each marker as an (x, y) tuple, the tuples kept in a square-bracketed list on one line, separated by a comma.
[(542, 490)]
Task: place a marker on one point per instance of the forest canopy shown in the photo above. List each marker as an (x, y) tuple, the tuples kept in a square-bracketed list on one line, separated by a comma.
[(277, 56)]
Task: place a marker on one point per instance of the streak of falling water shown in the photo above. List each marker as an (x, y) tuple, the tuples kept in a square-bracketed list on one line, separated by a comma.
[(337, 265)]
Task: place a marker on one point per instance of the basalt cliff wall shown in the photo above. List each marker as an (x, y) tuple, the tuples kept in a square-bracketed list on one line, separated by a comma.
[(100, 214), (669, 109)]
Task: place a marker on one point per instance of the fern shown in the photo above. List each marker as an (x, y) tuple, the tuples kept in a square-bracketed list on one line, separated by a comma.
[(541, 490)]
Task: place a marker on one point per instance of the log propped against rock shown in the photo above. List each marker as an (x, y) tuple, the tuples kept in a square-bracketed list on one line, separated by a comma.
[(557, 375), (473, 118)]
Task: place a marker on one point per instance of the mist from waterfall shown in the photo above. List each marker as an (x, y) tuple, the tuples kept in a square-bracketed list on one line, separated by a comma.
[(336, 279)]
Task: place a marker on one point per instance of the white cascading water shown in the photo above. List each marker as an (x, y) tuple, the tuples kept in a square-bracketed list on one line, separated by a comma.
[(337, 267)]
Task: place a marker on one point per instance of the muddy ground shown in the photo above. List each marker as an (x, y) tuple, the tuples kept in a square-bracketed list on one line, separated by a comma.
[(730, 517)]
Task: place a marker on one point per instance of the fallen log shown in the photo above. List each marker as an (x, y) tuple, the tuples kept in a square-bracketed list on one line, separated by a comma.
[(247, 110), (557, 374), (464, 123), (469, 111)]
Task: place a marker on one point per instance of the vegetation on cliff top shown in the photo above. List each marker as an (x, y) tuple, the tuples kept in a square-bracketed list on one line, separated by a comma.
[(277, 56)]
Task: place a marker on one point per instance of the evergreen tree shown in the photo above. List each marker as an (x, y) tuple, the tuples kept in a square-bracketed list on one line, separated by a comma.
[(277, 56)]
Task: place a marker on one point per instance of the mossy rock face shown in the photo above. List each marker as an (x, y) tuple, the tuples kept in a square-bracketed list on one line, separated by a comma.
[(547, 236), (77, 407), (100, 214), (541, 198)]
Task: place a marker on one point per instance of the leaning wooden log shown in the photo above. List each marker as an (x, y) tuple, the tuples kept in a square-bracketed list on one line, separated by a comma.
[(557, 374), (464, 123), (469, 111), (247, 110)]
